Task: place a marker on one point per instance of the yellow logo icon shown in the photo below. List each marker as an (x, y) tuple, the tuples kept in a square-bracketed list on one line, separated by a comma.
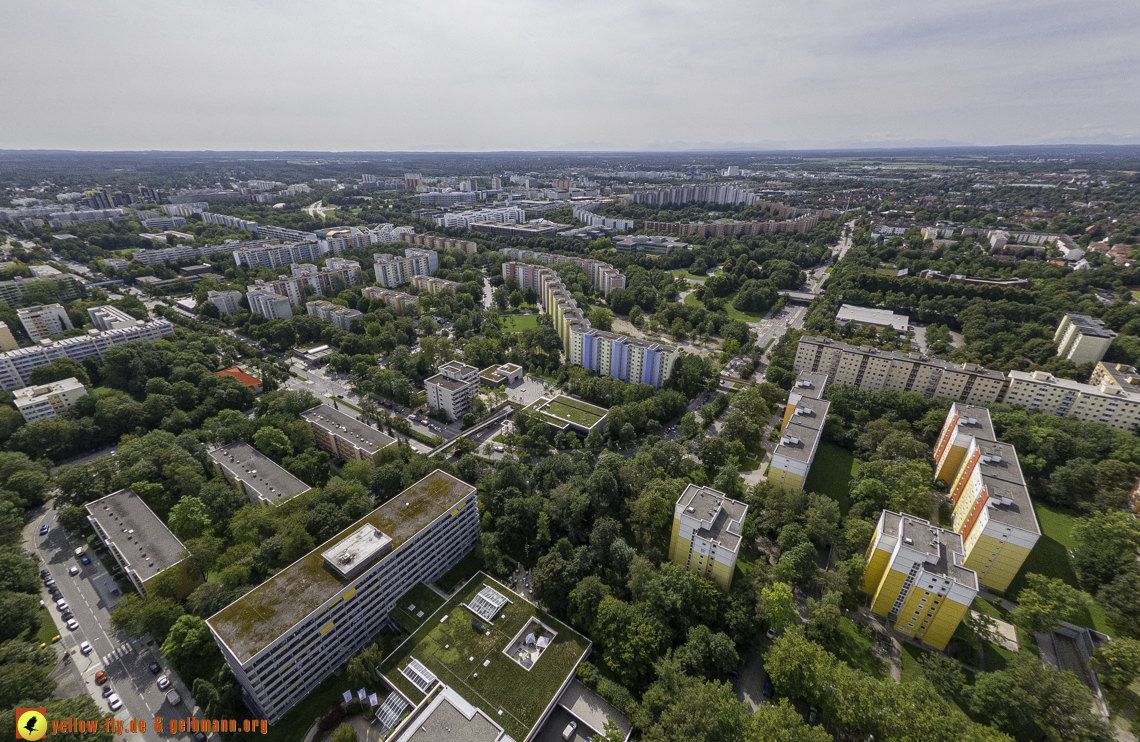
[(31, 724)]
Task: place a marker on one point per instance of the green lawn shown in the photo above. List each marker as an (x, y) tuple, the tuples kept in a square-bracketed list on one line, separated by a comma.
[(519, 322), (855, 648), (424, 599), (694, 276), (1136, 294), (294, 725), (996, 657), (911, 670), (1050, 557), (731, 311), (456, 654), (566, 408), (831, 473)]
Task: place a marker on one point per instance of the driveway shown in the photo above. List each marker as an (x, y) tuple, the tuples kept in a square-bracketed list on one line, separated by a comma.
[(749, 687)]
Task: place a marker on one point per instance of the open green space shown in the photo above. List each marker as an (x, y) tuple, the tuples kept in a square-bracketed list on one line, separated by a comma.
[(1136, 294), (855, 647), (519, 322), (831, 473), (420, 599), (731, 311), (563, 408), (694, 276), (474, 663), (1050, 557), (997, 658), (295, 724)]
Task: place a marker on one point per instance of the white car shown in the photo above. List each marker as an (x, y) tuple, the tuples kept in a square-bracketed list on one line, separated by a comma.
[(72, 624), (163, 682), (73, 570), (61, 604), (114, 702), (85, 647)]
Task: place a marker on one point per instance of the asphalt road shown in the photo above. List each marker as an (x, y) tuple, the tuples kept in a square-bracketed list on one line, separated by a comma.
[(90, 596)]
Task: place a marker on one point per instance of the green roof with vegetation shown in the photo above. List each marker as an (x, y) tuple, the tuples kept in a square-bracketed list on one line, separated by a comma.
[(451, 648), (249, 624), (560, 409)]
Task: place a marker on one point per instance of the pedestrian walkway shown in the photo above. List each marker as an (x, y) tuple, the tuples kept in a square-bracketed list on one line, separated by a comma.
[(122, 651)]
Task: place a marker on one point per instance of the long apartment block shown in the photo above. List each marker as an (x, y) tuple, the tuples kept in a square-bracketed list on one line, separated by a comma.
[(1106, 401), (430, 241), (869, 368), (283, 638), (255, 474), (343, 435), (804, 416), (16, 365), (137, 538), (275, 256), (433, 285), (963, 424), (603, 276), (392, 270), (917, 578)]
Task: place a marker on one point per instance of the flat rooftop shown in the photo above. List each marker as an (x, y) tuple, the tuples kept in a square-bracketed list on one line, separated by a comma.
[(975, 421), (450, 718), (869, 316), (723, 514), (1009, 500), (346, 426), (943, 548), (1090, 326), (561, 410), (809, 384), (894, 355), (250, 623), (474, 665), (446, 382), (258, 472), (140, 536), (800, 438)]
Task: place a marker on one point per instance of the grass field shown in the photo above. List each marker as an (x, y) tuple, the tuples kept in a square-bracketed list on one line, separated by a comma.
[(425, 602), (1050, 557), (831, 474), (731, 311), (694, 276), (564, 408), (855, 648), (474, 663), (519, 322)]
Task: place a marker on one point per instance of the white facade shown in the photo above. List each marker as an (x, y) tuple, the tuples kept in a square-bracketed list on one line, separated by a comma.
[(1107, 403), (273, 256), (464, 219), (227, 302), (44, 322), (452, 391), (110, 318), (392, 270), (1082, 339), (268, 304), (340, 316), (48, 400)]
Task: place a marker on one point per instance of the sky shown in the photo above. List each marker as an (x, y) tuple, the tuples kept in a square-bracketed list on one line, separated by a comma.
[(508, 75)]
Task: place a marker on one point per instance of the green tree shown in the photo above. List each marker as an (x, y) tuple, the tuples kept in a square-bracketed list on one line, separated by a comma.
[(190, 647), (1106, 546), (150, 615), (585, 598), (189, 519), (362, 668), (19, 612), (344, 733), (73, 518), (777, 609), (601, 318), (273, 443), (1117, 663), (1045, 601), (17, 572), (24, 681)]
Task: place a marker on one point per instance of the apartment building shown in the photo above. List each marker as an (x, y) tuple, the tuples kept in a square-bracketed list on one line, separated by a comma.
[(137, 538), (1107, 402), (448, 198), (277, 255), (45, 321), (869, 368), (468, 247), (602, 275), (283, 638), (963, 424), (66, 285), (584, 213), (645, 245), (257, 476), (1116, 374), (433, 285), (706, 533), (227, 302), (800, 432), (452, 391), (16, 365), (229, 221), (7, 341), (288, 235), (343, 435), (993, 513), (464, 219), (48, 400), (180, 253), (392, 270), (917, 578), (398, 300), (340, 316), (110, 318), (1082, 339), (263, 301)]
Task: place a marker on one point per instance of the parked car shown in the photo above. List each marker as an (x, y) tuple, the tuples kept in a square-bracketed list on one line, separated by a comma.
[(163, 682), (44, 529), (769, 689), (813, 712), (108, 690), (568, 732), (72, 624), (85, 647), (100, 677), (44, 574), (154, 668), (85, 560), (49, 584), (114, 702), (173, 698), (770, 634), (73, 570), (61, 604)]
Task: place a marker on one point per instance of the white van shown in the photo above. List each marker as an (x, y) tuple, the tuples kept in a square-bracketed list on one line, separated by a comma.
[(568, 732)]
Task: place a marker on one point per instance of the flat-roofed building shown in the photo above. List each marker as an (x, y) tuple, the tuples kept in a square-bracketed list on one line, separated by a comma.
[(706, 533), (799, 441), (48, 400), (340, 316), (501, 375), (917, 578), (963, 423), (7, 341), (110, 318), (649, 245), (433, 285), (452, 391), (851, 314), (1116, 374), (137, 538), (870, 368), (343, 435), (286, 636), (227, 302), (44, 322), (1082, 339), (809, 385), (263, 301), (403, 303), (392, 270), (993, 513), (1108, 402), (256, 475)]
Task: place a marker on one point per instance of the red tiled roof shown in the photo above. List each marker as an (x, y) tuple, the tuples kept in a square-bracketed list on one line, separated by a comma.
[(250, 381)]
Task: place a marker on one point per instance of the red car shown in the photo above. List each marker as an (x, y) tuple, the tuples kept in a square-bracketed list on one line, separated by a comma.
[(100, 677)]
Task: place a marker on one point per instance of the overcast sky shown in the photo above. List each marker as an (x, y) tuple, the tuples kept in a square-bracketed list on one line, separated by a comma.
[(329, 75)]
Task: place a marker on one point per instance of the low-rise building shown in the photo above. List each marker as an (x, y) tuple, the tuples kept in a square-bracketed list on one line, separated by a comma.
[(343, 435), (110, 318), (257, 476), (849, 313), (137, 538), (250, 382), (1082, 339), (48, 400), (44, 322), (649, 245), (917, 579), (501, 375), (566, 413), (452, 391), (706, 533), (286, 636)]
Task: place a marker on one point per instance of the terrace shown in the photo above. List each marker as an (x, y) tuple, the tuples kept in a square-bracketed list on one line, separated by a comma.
[(480, 666)]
